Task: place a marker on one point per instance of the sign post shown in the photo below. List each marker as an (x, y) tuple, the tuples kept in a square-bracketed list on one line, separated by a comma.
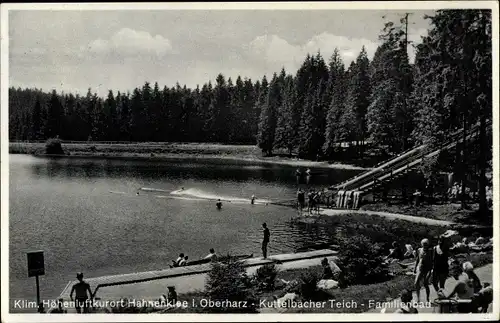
[(36, 267)]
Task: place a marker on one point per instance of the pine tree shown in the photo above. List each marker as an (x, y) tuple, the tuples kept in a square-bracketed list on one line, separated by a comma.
[(311, 131), (358, 96), (54, 116), (288, 118), (99, 128), (136, 116), (203, 109), (71, 118), (261, 90), (237, 101), (336, 96), (347, 130), (37, 121), (249, 121), (390, 118), (218, 118), (125, 117), (268, 117), (146, 128), (155, 113), (187, 114)]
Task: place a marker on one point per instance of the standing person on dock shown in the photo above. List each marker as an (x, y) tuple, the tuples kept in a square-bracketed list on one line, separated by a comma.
[(81, 298), (265, 241)]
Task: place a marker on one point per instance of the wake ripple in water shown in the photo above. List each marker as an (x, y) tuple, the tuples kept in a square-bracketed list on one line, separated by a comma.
[(148, 189), (200, 194), (180, 198)]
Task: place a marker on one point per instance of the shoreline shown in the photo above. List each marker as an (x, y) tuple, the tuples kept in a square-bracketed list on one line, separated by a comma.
[(151, 156), (391, 216)]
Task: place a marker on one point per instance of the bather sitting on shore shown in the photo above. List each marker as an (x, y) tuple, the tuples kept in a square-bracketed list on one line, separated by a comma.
[(410, 252), (461, 247), (395, 253), (481, 244), (175, 263), (327, 270), (183, 262)]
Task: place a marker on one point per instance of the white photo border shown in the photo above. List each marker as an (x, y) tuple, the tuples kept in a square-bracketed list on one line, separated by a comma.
[(361, 5)]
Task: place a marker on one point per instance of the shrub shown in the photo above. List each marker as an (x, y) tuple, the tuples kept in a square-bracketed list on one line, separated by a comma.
[(266, 277), (228, 281), (53, 147), (361, 261)]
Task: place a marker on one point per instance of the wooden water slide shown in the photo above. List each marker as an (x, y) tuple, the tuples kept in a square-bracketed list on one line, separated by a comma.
[(350, 191)]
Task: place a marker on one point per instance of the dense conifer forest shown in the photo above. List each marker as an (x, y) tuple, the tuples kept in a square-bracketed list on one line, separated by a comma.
[(389, 102)]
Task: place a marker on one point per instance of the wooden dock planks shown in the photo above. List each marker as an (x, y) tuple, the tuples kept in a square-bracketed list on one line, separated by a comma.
[(103, 281)]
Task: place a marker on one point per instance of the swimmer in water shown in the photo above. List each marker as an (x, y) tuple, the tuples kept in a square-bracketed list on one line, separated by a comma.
[(219, 204), (137, 193)]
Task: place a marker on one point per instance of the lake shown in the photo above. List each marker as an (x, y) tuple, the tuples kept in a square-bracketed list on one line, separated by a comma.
[(85, 214)]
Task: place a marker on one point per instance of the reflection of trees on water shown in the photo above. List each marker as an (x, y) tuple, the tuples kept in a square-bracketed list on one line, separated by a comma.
[(189, 170)]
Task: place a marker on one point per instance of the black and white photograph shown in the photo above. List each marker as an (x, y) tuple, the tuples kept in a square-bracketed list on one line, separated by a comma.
[(251, 160)]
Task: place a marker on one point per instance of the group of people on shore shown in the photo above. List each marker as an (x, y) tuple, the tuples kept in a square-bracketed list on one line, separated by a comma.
[(314, 199), (433, 266)]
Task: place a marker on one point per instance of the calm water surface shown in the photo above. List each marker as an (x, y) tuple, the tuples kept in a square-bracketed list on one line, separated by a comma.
[(86, 216)]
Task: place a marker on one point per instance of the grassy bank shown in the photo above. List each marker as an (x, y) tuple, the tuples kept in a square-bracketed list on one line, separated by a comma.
[(448, 212), (152, 151), (385, 231)]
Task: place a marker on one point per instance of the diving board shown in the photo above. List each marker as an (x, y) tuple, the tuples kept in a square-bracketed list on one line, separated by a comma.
[(105, 281)]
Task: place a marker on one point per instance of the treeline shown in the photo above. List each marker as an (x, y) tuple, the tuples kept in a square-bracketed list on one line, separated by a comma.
[(223, 113), (387, 101)]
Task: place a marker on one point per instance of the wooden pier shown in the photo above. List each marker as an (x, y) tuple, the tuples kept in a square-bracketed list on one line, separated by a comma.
[(133, 278)]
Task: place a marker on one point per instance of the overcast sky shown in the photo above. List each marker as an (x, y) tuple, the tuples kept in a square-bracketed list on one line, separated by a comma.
[(73, 50)]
